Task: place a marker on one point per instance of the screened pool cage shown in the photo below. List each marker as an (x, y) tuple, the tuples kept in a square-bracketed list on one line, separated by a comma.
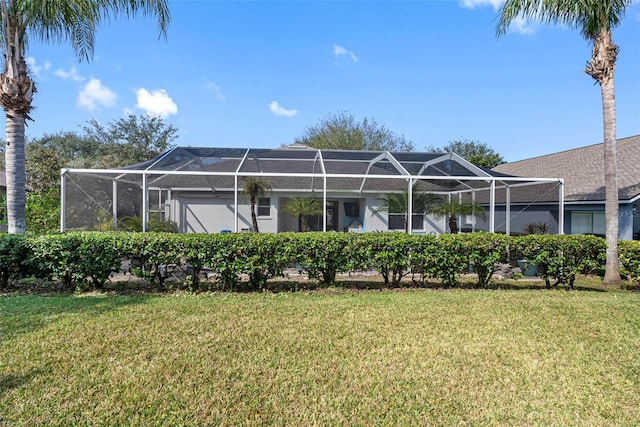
[(201, 190)]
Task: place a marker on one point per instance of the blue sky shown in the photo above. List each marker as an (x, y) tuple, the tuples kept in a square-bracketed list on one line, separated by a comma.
[(258, 73)]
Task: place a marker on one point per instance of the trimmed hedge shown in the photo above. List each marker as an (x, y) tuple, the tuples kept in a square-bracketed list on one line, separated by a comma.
[(629, 254), (561, 258), (246, 261)]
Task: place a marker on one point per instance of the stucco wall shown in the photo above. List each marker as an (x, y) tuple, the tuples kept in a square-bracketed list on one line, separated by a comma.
[(520, 217), (376, 220), (210, 213), (636, 218)]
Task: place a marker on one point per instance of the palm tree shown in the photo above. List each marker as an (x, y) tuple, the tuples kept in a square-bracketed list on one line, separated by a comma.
[(595, 19), (304, 208), (399, 203), (255, 188), (452, 209), (55, 21)]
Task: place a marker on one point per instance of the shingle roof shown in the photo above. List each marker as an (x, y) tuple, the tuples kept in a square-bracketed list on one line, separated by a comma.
[(220, 161), (583, 170)]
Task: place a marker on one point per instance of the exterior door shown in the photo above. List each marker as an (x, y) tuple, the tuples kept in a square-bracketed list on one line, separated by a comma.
[(332, 217)]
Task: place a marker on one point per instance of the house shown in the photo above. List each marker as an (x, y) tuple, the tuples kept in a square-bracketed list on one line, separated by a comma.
[(582, 170), (200, 189)]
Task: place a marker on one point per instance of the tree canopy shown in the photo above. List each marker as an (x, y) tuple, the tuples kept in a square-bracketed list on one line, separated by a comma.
[(304, 208), (342, 131), (122, 142), (476, 152), (129, 140)]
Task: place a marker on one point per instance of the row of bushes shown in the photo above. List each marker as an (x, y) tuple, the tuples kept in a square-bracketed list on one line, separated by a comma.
[(249, 260)]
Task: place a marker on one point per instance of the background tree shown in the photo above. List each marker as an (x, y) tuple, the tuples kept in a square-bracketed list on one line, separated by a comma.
[(342, 131), (130, 140), (58, 21), (42, 168), (595, 19), (476, 152), (120, 142), (73, 149), (453, 208), (305, 209), (42, 211), (255, 188)]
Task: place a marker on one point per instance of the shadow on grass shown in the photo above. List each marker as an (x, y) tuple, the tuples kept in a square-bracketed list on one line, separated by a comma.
[(10, 381), (140, 288), (26, 314), (433, 285), (359, 284)]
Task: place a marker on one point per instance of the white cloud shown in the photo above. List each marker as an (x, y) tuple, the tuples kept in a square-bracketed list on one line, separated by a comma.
[(472, 4), (518, 25), (94, 94), (72, 74), (339, 51), (278, 110), (522, 26), (35, 68), (156, 103), (215, 89)]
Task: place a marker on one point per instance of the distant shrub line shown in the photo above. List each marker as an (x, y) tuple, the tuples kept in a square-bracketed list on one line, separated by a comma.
[(81, 260)]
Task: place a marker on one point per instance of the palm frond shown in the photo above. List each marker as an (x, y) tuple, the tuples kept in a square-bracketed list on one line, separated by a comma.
[(399, 202), (453, 207), (303, 206), (588, 16), (255, 187), (76, 22)]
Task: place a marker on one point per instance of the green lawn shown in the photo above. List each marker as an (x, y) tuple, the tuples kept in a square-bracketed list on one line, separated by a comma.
[(412, 357)]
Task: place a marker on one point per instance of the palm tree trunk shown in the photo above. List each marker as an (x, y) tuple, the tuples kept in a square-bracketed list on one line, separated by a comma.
[(254, 219), (612, 271), (601, 68), (16, 94), (453, 224), (15, 171)]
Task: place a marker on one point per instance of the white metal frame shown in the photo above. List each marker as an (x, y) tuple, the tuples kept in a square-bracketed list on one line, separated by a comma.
[(403, 174)]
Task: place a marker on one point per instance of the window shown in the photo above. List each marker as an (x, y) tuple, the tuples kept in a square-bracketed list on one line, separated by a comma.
[(264, 206), (157, 202), (397, 221), (417, 222), (587, 222), (351, 209)]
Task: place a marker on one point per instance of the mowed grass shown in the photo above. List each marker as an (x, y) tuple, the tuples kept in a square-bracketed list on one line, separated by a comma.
[(345, 358)]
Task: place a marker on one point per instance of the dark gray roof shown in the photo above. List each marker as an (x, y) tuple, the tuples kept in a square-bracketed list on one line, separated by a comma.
[(583, 170), (305, 169), (3, 179), (216, 160)]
